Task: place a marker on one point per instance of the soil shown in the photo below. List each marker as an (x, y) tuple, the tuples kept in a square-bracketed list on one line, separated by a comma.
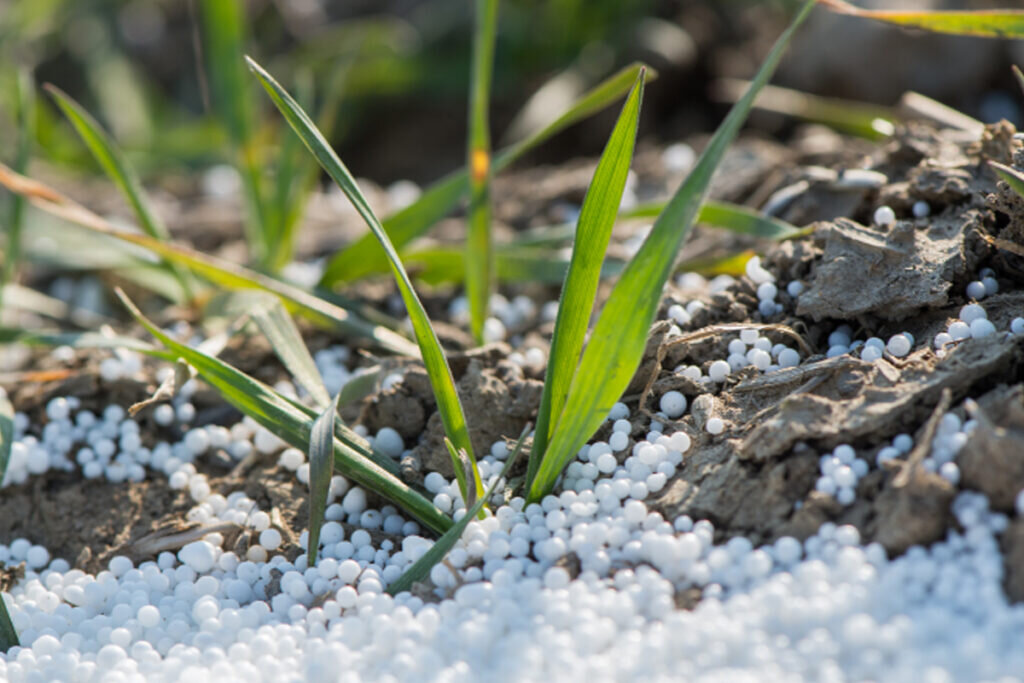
[(757, 479)]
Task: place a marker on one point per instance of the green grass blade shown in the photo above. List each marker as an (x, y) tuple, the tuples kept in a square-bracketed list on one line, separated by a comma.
[(479, 247), (1006, 23), (8, 636), (223, 273), (277, 326), (617, 343), (25, 116), (299, 174), (448, 403), (869, 121), (112, 161), (348, 437), (224, 30), (321, 467), (364, 256), (6, 433), (1013, 177), (286, 177), (731, 217), (420, 569), (593, 231), (1019, 75), (447, 265), (77, 340), (294, 426), (734, 264)]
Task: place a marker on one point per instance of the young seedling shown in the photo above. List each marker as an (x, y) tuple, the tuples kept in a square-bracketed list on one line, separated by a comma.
[(448, 402), (581, 385), (591, 385)]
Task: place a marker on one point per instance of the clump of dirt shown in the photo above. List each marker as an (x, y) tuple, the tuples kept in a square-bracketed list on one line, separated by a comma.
[(758, 478), (1013, 560), (895, 272), (497, 397), (991, 461), (498, 402), (87, 522)]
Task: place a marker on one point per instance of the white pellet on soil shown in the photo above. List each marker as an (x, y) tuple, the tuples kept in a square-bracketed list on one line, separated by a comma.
[(884, 216), (504, 607), (827, 608)]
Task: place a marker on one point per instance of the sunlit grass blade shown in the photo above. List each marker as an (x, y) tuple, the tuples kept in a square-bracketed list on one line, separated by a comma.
[(8, 636), (1003, 23), (112, 161), (25, 116), (446, 265), (479, 247), (420, 569), (224, 32), (215, 270), (290, 159), (277, 326), (730, 264), (321, 466), (34, 301), (6, 433), (1013, 177), (76, 340), (617, 342), (1019, 75), (364, 255), (282, 417), (857, 118), (726, 216), (593, 231), (448, 404), (297, 176)]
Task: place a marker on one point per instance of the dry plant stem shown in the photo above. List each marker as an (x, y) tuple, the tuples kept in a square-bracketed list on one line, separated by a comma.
[(923, 444), (245, 465), (812, 371), (724, 328), (999, 243), (325, 313), (710, 331), (160, 541), (823, 369)]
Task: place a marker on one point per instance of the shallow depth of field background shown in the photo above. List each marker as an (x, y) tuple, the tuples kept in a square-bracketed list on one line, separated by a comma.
[(135, 65)]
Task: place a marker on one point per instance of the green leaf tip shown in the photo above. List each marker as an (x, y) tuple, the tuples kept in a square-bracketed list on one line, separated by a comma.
[(1013, 177), (996, 23), (321, 466)]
